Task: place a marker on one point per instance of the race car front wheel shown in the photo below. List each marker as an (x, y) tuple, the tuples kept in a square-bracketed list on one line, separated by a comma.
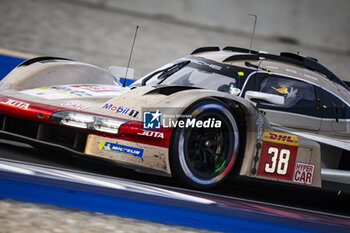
[(204, 150)]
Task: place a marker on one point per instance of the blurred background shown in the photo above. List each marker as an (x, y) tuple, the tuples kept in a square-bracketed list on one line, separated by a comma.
[(101, 31)]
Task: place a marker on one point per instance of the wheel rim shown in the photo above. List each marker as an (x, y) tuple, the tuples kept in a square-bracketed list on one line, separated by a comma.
[(206, 156), (205, 151)]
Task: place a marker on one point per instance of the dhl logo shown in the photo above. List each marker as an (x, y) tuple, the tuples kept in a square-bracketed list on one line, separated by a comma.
[(287, 139)]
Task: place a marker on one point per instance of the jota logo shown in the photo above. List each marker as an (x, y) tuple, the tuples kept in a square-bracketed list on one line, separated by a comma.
[(120, 109), (151, 120), (17, 103), (152, 134)]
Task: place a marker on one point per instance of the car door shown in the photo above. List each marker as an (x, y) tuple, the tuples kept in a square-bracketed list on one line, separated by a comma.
[(301, 108), (336, 114)]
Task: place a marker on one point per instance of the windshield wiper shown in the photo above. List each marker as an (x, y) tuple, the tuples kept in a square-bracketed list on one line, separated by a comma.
[(165, 73)]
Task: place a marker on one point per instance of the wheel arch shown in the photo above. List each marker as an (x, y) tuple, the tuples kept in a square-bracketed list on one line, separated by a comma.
[(237, 111), (248, 116)]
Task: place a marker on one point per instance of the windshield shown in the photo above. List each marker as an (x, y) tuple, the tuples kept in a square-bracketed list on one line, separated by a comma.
[(64, 74), (189, 74)]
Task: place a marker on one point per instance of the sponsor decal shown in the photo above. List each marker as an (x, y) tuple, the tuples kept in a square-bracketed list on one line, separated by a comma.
[(68, 91), (269, 67), (277, 160), (76, 105), (309, 76), (153, 120), (291, 71), (151, 134), (121, 149), (303, 173), (287, 139), (97, 88), (203, 63), (121, 109), (76, 91), (17, 103)]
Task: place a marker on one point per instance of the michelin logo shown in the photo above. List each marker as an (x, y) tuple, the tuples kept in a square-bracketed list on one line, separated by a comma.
[(121, 149)]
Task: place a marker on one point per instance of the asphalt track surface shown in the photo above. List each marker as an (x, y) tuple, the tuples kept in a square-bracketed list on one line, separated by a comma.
[(232, 213), (325, 200)]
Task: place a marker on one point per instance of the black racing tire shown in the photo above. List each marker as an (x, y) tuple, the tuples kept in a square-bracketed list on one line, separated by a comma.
[(202, 157)]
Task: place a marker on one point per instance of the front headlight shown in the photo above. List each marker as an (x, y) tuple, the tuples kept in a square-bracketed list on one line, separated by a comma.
[(87, 121)]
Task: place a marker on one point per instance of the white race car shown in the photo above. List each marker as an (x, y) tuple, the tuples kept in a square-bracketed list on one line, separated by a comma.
[(187, 119)]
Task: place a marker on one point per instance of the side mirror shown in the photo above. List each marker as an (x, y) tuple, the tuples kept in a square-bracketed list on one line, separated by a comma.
[(260, 97), (120, 72)]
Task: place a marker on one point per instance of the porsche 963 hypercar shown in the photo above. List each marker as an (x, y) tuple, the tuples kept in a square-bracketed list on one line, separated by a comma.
[(187, 119)]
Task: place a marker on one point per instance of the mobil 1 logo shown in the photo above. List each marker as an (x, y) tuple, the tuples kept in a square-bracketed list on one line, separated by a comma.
[(121, 109)]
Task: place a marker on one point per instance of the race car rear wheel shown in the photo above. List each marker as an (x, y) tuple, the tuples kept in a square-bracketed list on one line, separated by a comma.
[(203, 154)]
